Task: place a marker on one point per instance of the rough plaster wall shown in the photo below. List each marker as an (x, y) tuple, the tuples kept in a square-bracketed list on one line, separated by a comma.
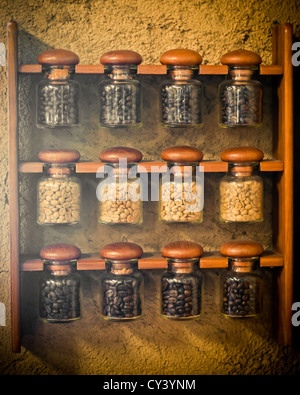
[(211, 345)]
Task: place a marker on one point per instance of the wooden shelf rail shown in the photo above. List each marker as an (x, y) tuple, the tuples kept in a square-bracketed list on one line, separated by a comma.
[(153, 69), (154, 167), (209, 260)]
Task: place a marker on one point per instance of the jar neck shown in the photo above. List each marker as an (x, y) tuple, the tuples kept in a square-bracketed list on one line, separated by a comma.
[(182, 266), (239, 73), (243, 169), (120, 72), (60, 268), (182, 168), (182, 72), (55, 170), (243, 265), (57, 73), (121, 169), (121, 267)]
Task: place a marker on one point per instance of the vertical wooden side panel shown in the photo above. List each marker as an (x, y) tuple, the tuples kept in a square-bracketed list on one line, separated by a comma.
[(12, 52), (283, 150)]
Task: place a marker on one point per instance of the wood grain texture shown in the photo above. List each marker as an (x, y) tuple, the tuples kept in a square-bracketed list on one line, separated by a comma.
[(12, 49), (283, 150)]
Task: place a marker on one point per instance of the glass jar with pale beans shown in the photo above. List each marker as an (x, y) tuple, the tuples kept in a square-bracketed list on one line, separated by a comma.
[(242, 282), (240, 96), (182, 283), (241, 189), (181, 189), (120, 91), (59, 190), (60, 293), (122, 284), (57, 93), (120, 193), (181, 95)]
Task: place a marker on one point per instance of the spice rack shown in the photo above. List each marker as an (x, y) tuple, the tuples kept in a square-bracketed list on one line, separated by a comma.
[(281, 165)]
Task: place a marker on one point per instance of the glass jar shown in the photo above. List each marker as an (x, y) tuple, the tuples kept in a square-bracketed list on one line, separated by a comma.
[(241, 284), (120, 92), (120, 192), (59, 191), (60, 293), (181, 96), (241, 189), (182, 283), (240, 96), (57, 93), (122, 286), (181, 189)]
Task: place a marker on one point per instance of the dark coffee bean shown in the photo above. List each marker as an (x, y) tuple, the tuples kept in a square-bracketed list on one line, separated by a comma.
[(62, 302), (123, 301), (58, 105), (119, 105), (240, 298), (180, 303), (240, 105), (181, 105)]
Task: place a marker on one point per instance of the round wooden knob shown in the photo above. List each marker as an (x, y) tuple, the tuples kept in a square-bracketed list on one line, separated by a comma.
[(242, 154), (182, 250), (59, 156), (121, 57), (241, 57), (182, 154), (181, 57), (241, 249), (112, 155), (60, 252), (61, 57), (121, 251)]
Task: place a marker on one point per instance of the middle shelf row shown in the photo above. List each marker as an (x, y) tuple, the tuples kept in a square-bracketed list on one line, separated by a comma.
[(178, 189)]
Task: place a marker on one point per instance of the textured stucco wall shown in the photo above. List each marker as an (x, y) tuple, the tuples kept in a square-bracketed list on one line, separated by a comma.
[(211, 345)]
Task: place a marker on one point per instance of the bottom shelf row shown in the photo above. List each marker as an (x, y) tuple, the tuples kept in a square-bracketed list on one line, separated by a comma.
[(122, 284)]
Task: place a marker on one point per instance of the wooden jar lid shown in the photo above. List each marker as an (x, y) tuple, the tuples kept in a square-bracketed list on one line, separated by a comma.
[(242, 155), (61, 57), (60, 252), (182, 154), (59, 156), (112, 155), (241, 249), (121, 57), (121, 251), (241, 57), (181, 57), (182, 250)]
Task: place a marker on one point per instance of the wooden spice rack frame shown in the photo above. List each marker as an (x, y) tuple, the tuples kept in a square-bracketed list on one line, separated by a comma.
[(281, 164)]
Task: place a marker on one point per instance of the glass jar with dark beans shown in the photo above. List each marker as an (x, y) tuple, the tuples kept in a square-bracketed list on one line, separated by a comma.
[(59, 191), (182, 283), (240, 96), (120, 92), (60, 284), (181, 96), (57, 93), (122, 286), (241, 284), (241, 189), (181, 192)]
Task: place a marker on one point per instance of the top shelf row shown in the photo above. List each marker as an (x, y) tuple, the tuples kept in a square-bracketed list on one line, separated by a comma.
[(152, 69)]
